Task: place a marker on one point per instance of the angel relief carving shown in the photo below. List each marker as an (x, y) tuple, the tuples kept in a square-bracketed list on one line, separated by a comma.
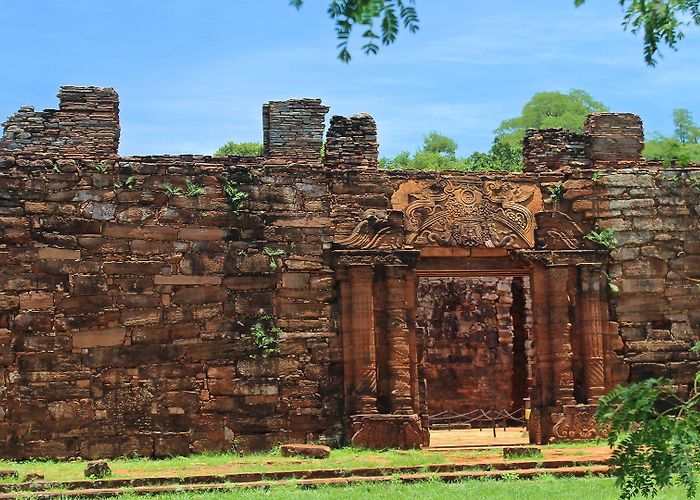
[(493, 214)]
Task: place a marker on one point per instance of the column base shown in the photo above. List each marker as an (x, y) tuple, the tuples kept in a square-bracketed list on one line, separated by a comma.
[(379, 432), (577, 422)]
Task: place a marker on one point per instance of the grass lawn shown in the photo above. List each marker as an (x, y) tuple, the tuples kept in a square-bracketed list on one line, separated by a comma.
[(542, 488), (343, 458)]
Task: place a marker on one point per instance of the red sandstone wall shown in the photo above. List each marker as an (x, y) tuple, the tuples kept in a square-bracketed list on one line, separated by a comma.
[(468, 342), (126, 314), (656, 263)]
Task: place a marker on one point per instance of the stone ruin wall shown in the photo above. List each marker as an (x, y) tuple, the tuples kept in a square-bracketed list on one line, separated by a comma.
[(125, 315)]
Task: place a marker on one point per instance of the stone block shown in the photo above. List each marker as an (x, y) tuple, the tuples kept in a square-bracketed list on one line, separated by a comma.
[(99, 338), (35, 301), (97, 469), (58, 254), (305, 450)]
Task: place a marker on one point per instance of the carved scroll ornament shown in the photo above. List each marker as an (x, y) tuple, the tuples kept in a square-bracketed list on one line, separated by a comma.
[(494, 214), (375, 233), (578, 422)]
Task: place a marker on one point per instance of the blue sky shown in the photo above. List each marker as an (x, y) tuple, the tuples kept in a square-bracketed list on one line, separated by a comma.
[(193, 74)]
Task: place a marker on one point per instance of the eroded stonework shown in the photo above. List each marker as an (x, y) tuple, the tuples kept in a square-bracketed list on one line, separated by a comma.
[(495, 214), (128, 314)]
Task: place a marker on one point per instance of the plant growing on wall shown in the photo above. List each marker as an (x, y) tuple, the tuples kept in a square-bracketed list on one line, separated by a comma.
[(604, 237), (596, 176), (273, 253), (102, 167), (556, 191), (193, 189), (266, 335), (171, 190), (611, 284), (655, 435), (128, 183), (235, 196), (55, 167)]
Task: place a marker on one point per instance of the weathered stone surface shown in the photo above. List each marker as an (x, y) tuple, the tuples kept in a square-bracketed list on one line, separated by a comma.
[(97, 469), (305, 450), (99, 338), (128, 318)]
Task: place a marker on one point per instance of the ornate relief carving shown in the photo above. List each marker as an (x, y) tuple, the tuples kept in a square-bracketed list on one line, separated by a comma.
[(558, 231), (494, 214), (578, 422), (375, 233)]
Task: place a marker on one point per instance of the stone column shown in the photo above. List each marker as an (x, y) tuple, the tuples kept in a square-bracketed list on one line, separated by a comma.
[(560, 334), (592, 319), (411, 287), (363, 349), (400, 397), (554, 385)]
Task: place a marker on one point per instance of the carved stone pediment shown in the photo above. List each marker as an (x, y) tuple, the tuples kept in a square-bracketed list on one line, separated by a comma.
[(489, 214), (375, 233), (558, 231)]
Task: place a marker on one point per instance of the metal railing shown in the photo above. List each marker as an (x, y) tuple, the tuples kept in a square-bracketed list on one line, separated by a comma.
[(479, 418)]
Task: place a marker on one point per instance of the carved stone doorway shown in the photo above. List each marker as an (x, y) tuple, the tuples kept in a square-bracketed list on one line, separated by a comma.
[(475, 330), (474, 319)]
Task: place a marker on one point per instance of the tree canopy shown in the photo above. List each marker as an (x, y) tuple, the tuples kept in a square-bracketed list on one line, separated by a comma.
[(682, 148), (439, 152), (240, 149), (661, 22), (549, 110)]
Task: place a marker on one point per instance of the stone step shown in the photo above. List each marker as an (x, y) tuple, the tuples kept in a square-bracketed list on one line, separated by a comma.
[(525, 473), (318, 474)]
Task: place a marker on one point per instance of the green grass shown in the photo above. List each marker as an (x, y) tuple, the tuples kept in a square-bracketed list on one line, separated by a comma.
[(544, 488), (343, 458)]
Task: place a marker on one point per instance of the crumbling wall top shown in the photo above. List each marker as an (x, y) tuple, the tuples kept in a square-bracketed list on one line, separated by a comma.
[(293, 129), (85, 125), (352, 142)]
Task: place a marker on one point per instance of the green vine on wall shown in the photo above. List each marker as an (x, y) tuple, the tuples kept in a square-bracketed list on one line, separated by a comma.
[(235, 196), (171, 190), (128, 183), (556, 191), (266, 335), (604, 237), (273, 253)]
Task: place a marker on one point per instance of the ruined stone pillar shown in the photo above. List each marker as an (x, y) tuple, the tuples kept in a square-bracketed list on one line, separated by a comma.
[(411, 288), (352, 143), (554, 385), (362, 348), (560, 334), (399, 342), (615, 137), (592, 323), (293, 130)]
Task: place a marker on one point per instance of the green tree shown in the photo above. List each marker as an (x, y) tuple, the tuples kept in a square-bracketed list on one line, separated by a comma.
[(502, 157), (660, 21), (439, 152), (655, 435), (683, 148), (240, 149), (686, 130), (549, 110)]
